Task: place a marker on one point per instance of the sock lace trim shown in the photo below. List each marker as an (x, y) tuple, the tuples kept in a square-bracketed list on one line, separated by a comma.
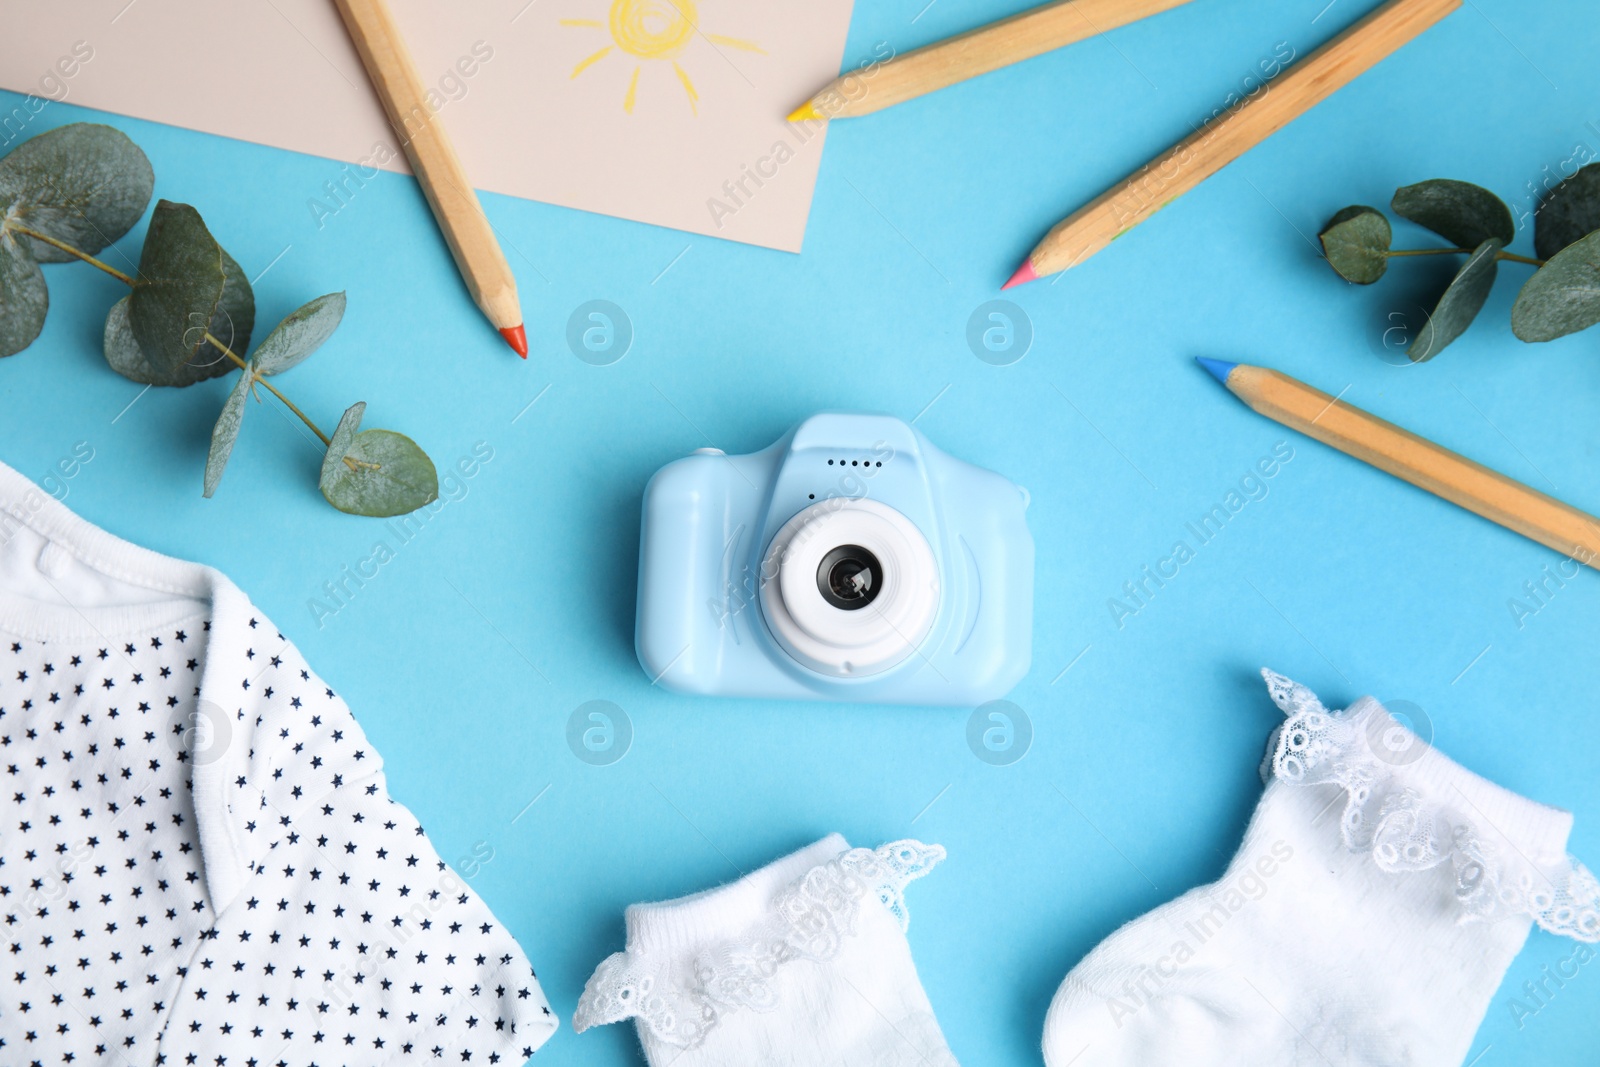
[(681, 1001), (1405, 831)]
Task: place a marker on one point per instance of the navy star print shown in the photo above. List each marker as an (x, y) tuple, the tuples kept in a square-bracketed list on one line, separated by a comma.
[(200, 864)]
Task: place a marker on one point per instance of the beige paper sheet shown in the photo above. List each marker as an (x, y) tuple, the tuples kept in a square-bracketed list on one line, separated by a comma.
[(675, 115)]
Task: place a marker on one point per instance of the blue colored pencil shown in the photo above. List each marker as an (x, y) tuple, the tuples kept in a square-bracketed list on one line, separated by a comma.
[(1413, 459)]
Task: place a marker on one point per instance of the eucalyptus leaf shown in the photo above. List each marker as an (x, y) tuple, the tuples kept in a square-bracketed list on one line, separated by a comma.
[(300, 334), (1563, 296), (1568, 212), (235, 318), (179, 289), (226, 431), (1461, 212), (127, 358), (376, 472), (339, 443), (1460, 303), (83, 184), (384, 473), (122, 351), (24, 300), (1356, 242), (176, 272)]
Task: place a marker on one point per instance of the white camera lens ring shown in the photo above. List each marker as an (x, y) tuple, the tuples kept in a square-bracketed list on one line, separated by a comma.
[(850, 642)]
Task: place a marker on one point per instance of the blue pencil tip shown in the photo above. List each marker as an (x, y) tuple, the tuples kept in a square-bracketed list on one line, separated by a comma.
[(1219, 368)]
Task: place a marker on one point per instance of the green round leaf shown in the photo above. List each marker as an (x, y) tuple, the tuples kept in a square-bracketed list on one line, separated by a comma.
[(83, 184), (179, 289), (226, 432), (300, 334), (127, 359), (24, 300), (121, 350), (1356, 242), (378, 473), (235, 318), (1461, 212), (339, 443), (1568, 212), (1563, 296), (1459, 305)]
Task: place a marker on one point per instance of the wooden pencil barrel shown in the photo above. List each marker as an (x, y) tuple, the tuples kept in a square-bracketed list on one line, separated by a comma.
[(433, 159), (1421, 462), (1231, 134), (1010, 40)]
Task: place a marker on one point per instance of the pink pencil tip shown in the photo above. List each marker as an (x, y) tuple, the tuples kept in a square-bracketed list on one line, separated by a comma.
[(1025, 273), (517, 338)]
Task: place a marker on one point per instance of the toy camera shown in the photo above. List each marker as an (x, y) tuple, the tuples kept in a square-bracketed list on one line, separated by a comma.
[(851, 560)]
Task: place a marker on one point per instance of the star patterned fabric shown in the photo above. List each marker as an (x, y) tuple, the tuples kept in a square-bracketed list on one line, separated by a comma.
[(200, 862)]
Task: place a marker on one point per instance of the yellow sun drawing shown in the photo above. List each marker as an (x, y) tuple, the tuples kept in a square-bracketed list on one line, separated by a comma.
[(653, 30)]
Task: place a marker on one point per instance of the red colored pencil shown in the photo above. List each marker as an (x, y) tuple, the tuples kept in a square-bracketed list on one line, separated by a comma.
[(433, 158)]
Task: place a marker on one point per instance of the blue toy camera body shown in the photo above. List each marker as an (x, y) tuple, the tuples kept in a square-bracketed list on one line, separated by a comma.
[(852, 560)]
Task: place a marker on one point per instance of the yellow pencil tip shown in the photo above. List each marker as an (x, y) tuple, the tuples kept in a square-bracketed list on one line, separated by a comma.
[(805, 113)]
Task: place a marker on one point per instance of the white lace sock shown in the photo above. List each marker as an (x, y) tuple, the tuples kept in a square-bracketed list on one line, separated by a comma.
[(1379, 895), (803, 963)]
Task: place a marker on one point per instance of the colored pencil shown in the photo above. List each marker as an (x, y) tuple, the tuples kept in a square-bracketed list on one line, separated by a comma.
[(1233, 132), (1414, 459), (438, 169), (967, 55)]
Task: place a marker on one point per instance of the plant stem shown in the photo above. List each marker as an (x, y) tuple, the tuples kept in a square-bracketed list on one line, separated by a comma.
[(1512, 256), (218, 345), (86, 257), (225, 350)]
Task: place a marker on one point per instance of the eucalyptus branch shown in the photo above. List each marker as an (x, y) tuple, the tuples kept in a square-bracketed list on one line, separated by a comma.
[(211, 340), (1510, 257), (88, 184), (225, 350), (1561, 298), (86, 257)]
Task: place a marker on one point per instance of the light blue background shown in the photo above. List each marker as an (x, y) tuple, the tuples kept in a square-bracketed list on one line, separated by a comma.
[(464, 658)]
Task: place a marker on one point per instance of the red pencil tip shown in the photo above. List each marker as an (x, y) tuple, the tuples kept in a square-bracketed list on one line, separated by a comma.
[(517, 338), (1025, 273)]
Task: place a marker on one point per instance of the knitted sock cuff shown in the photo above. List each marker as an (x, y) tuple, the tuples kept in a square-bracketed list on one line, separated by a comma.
[(692, 962), (1412, 808), (689, 925)]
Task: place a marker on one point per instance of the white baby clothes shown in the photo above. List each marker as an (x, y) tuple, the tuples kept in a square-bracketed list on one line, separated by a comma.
[(200, 863), (803, 963), (1379, 895)]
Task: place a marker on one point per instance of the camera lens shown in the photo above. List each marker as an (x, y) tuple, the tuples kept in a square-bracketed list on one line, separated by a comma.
[(849, 577), (833, 559)]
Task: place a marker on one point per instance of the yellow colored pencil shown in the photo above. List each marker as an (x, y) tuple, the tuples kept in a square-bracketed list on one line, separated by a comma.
[(999, 44), (1230, 135), (1446, 474)]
